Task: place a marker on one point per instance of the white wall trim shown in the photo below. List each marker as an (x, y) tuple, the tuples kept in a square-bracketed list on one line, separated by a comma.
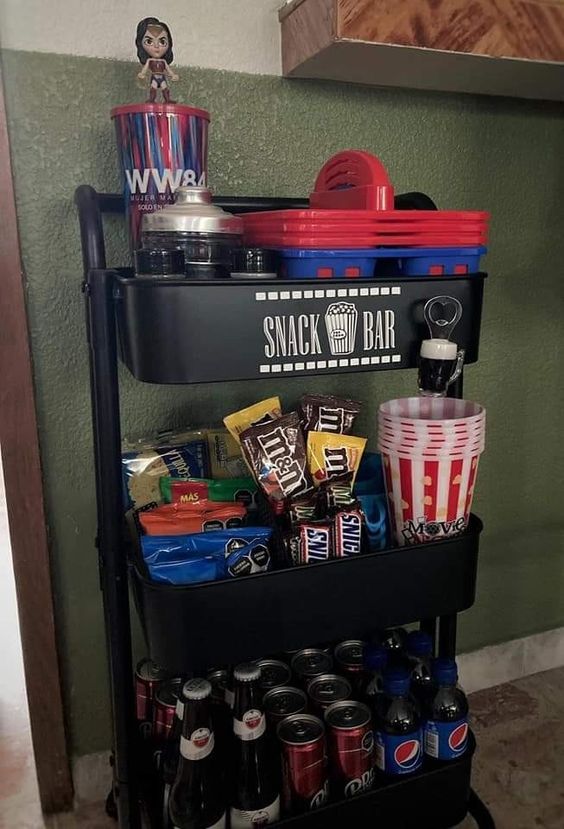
[(479, 669)]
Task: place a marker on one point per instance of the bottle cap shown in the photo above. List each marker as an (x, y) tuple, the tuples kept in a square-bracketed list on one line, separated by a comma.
[(438, 349), (419, 643), (254, 261), (159, 262), (396, 681), (375, 657), (196, 689), (445, 671), (247, 672)]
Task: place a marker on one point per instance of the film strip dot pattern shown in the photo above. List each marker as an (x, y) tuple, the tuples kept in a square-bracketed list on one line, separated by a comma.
[(327, 365), (327, 293)]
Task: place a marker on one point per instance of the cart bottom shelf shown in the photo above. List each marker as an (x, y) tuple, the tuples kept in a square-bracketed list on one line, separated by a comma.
[(436, 797)]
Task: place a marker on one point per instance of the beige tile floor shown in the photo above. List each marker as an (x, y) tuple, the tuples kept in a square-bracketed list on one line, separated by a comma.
[(518, 769)]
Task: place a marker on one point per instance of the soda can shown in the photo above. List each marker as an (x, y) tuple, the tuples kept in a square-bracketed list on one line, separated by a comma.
[(218, 679), (351, 747), (349, 656), (273, 673), (311, 662), (305, 784), (325, 689), (282, 702), (164, 708), (148, 677)]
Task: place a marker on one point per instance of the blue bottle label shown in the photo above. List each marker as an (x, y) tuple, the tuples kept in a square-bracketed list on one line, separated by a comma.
[(399, 754), (446, 740)]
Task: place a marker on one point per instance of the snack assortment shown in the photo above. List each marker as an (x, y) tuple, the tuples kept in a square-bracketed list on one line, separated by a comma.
[(275, 488)]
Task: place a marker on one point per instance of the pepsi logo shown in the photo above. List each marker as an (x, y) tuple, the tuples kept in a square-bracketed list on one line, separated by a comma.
[(407, 754), (368, 742), (458, 738)]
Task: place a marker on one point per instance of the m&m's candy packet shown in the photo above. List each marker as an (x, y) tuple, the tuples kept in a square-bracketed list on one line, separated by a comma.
[(332, 456), (325, 413), (255, 415), (275, 452)]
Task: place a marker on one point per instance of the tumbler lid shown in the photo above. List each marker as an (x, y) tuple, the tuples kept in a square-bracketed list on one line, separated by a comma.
[(193, 212)]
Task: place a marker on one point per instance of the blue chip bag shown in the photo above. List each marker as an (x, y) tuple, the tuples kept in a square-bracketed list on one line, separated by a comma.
[(186, 559)]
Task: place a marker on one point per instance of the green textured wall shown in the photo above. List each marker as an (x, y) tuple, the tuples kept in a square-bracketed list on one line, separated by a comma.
[(269, 137)]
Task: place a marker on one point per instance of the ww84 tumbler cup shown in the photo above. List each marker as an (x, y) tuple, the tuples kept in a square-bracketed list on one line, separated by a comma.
[(162, 147)]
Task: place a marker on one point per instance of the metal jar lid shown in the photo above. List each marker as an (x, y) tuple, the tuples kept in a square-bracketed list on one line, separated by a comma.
[(283, 701), (273, 673), (310, 662), (329, 688), (192, 212), (300, 729), (350, 654), (347, 714)]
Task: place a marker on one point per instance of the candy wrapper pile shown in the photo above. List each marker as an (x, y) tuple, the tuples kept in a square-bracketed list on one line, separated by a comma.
[(193, 497)]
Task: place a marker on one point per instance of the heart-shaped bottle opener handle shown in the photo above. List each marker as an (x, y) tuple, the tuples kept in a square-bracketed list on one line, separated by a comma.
[(442, 313)]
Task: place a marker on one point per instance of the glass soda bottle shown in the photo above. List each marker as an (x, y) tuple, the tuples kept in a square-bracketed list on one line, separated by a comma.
[(196, 800), (255, 799), (419, 649)]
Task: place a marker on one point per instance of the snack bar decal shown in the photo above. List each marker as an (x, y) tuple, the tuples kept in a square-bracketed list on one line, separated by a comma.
[(351, 328)]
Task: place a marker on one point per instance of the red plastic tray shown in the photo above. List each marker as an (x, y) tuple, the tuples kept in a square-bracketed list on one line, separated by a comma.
[(309, 214), (364, 227), (328, 241)]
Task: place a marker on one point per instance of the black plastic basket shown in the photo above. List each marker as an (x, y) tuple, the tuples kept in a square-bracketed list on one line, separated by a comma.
[(181, 331), (195, 627)]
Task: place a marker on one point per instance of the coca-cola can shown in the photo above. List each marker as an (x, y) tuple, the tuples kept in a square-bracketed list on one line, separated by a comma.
[(148, 677), (282, 702), (351, 747), (305, 783), (325, 689), (311, 662), (273, 673), (349, 656), (164, 707)]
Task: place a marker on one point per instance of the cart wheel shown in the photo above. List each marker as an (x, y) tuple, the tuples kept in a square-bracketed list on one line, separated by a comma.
[(480, 812), (111, 808)]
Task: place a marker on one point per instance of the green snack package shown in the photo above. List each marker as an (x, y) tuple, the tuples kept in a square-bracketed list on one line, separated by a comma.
[(200, 490)]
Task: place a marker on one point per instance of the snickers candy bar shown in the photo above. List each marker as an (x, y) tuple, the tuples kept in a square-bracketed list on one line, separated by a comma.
[(276, 453), (347, 533), (316, 541), (325, 413)]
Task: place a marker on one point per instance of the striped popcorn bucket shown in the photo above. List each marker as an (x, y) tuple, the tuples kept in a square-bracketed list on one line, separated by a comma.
[(430, 477), (161, 147)]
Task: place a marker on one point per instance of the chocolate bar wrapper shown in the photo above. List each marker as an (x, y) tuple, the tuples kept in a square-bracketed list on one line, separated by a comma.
[(276, 453), (316, 541), (325, 413), (304, 508), (337, 494), (332, 456), (255, 415), (347, 532)]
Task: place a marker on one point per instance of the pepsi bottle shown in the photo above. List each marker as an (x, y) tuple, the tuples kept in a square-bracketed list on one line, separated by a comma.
[(375, 659), (197, 800), (398, 725), (393, 640), (446, 715), (419, 648)]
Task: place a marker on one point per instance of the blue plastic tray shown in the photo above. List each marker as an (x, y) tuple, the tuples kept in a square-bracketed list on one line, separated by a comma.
[(302, 263)]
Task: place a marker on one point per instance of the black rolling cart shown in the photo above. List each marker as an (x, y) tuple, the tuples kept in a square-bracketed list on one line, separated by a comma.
[(157, 328)]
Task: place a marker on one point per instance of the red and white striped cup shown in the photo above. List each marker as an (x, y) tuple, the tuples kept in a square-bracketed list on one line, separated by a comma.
[(430, 473)]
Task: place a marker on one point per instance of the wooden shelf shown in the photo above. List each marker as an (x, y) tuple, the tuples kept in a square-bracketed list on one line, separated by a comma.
[(493, 47)]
